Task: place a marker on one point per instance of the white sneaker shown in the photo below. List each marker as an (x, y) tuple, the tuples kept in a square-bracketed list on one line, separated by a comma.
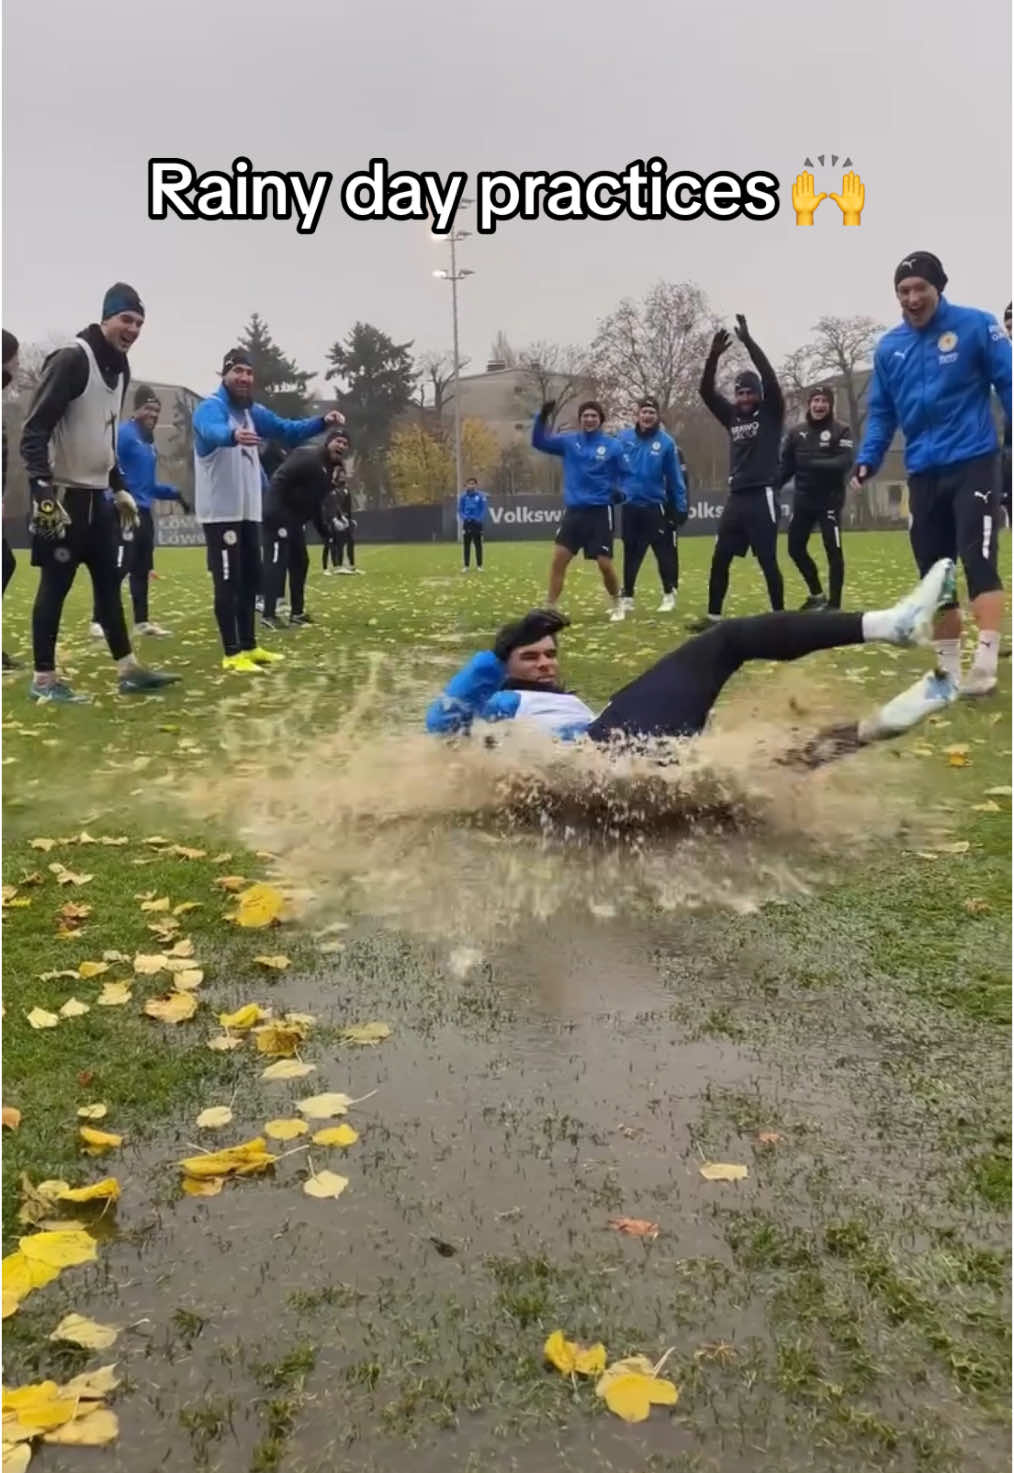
[(466, 570), (361, 572), (978, 682), (96, 631), (912, 617), (618, 613), (155, 630), (259, 604), (478, 568), (628, 604), (346, 572), (929, 695), (328, 573), (668, 604)]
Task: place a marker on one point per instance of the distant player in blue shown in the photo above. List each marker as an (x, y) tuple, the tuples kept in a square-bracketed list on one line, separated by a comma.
[(654, 504), (472, 506), (933, 378), (593, 473)]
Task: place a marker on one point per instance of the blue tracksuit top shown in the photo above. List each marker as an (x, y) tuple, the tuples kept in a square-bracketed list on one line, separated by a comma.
[(472, 506), (138, 461), (935, 382), (653, 474), (476, 693), (593, 466)]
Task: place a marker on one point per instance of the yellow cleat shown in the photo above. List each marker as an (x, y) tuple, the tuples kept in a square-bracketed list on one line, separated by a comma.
[(242, 664), (262, 657)]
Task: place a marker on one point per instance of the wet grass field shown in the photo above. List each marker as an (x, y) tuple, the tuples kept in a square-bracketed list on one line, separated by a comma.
[(571, 1058)]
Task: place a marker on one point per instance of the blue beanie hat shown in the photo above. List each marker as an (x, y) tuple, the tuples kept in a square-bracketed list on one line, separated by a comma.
[(121, 298)]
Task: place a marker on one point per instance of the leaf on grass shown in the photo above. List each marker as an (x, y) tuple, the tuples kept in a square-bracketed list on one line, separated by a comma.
[(56, 976), (336, 1135), (59, 1250), (177, 1007), (571, 1358), (162, 903), (40, 1018), (37, 1409), (44, 844), (723, 1171), (1004, 791), (92, 969), (93, 1385), (960, 846), (187, 979), (186, 906), (84, 1332), (240, 1160), (366, 1033), (115, 956), (322, 1107), (259, 906), (279, 1040), (183, 947), (221, 1043), (11, 1117), (106, 1190), (209, 1186), (287, 1069), (957, 759), (277, 963), (75, 911), (114, 995), (230, 882), (182, 852), (244, 1017), (97, 1142), (325, 1184), (74, 1008), (17, 1456), (66, 876), (146, 965), (635, 1227), (630, 1388), (976, 906), (286, 1129), (221, 858), (93, 1429), (213, 1118)]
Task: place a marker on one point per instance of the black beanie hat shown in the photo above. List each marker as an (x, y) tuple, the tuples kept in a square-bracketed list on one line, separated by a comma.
[(648, 403), (337, 434), (747, 379), (10, 345), (823, 389), (592, 404), (121, 298), (145, 394), (1006, 313), (923, 264), (236, 358)]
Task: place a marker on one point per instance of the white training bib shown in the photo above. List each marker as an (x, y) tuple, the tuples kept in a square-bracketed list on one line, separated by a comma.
[(83, 444), (554, 711)]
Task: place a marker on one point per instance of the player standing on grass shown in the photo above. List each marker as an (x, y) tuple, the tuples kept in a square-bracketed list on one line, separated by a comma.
[(817, 456), (300, 491), (933, 376), (69, 449), (1005, 457), (749, 520), (655, 502), (10, 368), (593, 473), (228, 429), (472, 506)]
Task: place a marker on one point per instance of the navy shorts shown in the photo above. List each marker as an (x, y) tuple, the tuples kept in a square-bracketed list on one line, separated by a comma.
[(587, 529), (955, 513)]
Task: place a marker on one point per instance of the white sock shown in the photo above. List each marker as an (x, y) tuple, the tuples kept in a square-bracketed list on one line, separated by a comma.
[(878, 626), (987, 651), (948, 653)]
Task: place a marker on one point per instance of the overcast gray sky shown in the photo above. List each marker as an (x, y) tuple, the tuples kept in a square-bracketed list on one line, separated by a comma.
[(916, 91)]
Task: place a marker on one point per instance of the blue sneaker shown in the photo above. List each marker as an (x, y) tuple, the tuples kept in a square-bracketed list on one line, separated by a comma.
[(59, 692), (140, 681), (912, 618), (928, 696)]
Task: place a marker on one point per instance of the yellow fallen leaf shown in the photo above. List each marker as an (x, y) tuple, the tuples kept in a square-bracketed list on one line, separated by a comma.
[(321, 1107), (960, 846), (99, 1141), (176, 1008), (17, 1457), (279, 1040), (38, 1408), (286, 1130), (221, 1043), (988, 807), (336, 1135), (148, 965), (325, 1184), (92, 969), (215, 1117), (115, 956), (94, 1385), (183, 947), (162, 903), (44, 844), (287, 1069), (186, 906), (230, 882), (94, 1429), (66, 876), (723, 1171), (630, 1388), (209, 1186), (259, 906), (959, 749), (1004, 791), (187, 979), (59, 1250), (84, 1332), (366, 1033), (182, 852), (976, 906), (242, 1160), (58, 976), (244, 1017), (306, 1019), (39, 1018), (957, 759), (106, 1190), (277, 963), (114, 994), (11, 1117), (571, 1358), (74, 1008)]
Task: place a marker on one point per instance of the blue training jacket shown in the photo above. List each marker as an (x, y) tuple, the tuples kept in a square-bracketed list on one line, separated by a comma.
[(934, 382), (475, 693), (472, 506), (653, 473), (213, 428), (593, 465), (138, 461)]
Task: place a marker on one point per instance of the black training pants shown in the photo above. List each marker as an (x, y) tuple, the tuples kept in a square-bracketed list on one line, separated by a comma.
[(10, 563), (823, 512), (674, 697), (135, 558), (644, 527), (749, 523), (234, 561), (471, 536), (284, 552), (91, 539)]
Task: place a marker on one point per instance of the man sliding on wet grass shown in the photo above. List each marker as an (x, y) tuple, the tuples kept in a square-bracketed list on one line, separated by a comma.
[(519, 678)]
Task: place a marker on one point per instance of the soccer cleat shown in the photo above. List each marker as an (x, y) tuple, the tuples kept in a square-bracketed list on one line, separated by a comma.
[(628, 603), (978, 682), (813, 604), (617, 613), (139, 681), (155, 630), (96, 630), (912, 618), (929, 695), (704, 623), (360, 572), (465, 569), (667, 605), (241, 665), (271, 621), (295, 620), (59, 693), (259, 604), (328, 573), (262, 657)]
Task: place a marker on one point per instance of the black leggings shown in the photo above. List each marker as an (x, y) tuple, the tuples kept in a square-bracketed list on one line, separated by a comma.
[(644, 527), (10, 563), (675, 696), (234, 561), (285, 552), (91, 539), (826, 515), (471, 536)]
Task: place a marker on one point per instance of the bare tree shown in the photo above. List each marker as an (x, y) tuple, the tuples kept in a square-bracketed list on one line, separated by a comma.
[(840, 350), (553, 371), (655, 347), (435, 376)]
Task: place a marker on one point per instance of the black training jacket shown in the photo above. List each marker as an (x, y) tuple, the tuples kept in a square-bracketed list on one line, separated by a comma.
[(818, 456)]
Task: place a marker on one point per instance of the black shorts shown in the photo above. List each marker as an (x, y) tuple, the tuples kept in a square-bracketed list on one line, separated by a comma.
[(749, 523), (955, 512), (93, 533), (587, 529)]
